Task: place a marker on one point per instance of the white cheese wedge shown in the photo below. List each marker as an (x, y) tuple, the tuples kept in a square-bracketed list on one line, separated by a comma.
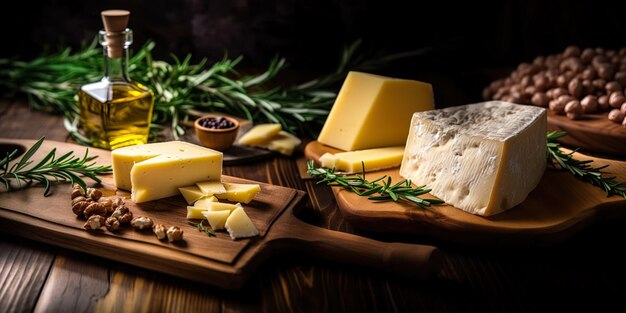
[(373, 159), (243, 193), (259, 134), (210, 188), (482, 158), (239, 225), (157, 170), (217, 219), (191, 193), (205, 202)]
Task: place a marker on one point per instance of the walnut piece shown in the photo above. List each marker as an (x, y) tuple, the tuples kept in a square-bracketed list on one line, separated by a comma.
[(94, 222), (77, 191), (79, 204), (123, 214), (141, 222), (159, 231), (174, 233), (108, 204), (95, 208), (94, 193), (112, 224)]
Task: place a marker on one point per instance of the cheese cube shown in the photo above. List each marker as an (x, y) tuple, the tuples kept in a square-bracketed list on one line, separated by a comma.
[(210, 188), (374, 111), (157, 170), (283, 143), (374, 159), (243, 193), (217, 219), (260, 134), (482, 158), (239, 225), (191, 193)]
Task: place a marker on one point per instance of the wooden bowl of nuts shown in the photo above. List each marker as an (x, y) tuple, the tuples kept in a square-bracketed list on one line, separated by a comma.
[(216, 131)]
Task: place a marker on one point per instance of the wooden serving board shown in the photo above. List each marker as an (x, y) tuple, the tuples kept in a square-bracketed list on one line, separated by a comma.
[(595, 133), (559, 206), (219, 260)]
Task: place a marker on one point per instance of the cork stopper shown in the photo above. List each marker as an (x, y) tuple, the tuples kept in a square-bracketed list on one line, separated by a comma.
[(115, 23)]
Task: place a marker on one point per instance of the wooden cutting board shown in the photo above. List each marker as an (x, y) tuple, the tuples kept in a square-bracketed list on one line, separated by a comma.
[(559, 206), (595, 133), (219, 260)]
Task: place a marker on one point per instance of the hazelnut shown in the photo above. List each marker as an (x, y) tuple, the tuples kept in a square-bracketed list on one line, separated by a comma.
[(603, 103), (589, 104), (612, 87), (174, 233), (620, 77), (575, 88), (141, 223), (606, 71), (539, 60), (540, 99), (564, 99), (587, 86), (112, 224), (587, 55), (95, 208), (529, 91), (77, 191), (623, 108), (562, 80), (94, 194), (571, 51), (558, 92), (616, 116), (610, 53), (94, 222), (598, 60), (616, 99), (159, 231), (525, 81), (598, 83), (574, 110), (590, 73), (556, 106), (542, 83), (571, 64)]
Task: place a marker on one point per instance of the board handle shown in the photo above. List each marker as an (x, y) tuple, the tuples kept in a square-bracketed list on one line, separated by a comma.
[(412, 261)]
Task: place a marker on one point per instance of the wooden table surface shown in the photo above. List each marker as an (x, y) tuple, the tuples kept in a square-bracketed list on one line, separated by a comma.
[(588, 272)]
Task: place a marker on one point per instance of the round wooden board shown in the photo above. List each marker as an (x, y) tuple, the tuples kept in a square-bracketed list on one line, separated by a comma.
[(556, 209), (595, 133)]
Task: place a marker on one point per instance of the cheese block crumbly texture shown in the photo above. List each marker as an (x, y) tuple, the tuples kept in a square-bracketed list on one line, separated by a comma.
[(191, 193), (243, 193), (239, 225), (260, 134), (157, 170), (217, 219), (374, 111), (482, 158), (210, 188), (283, 143), (373, 159)]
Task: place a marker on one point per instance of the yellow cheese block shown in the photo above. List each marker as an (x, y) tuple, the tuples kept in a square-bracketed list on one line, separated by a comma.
[(191, 193), (239, 225), (283, 143), (217, 219), (374, 159), (374, 111), (239, 192), (157, 170), (260, 134), (205, 202), (210, 188)]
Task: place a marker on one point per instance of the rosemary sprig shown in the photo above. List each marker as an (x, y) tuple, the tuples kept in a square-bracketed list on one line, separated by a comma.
[(202, 228), (582, 169), (62, 169), (386, 191)]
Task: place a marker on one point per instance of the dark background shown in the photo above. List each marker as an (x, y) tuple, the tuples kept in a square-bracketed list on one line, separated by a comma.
[(468, 44)]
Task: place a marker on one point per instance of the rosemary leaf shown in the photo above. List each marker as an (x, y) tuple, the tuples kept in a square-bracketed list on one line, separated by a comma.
[(201, 228)]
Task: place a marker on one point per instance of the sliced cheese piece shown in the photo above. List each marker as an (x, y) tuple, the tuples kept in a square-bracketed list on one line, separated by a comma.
[(194, 212), (373, 159), (243, 193), (210, 188), (374, 111), (217, 219), (219, 206), (239, 225), (191, 193), (283, 143), (205, 202), (157, 170), (260, 134), (482, 158)]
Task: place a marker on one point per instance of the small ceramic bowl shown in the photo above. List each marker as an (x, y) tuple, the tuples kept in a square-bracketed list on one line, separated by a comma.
[(216, 138)]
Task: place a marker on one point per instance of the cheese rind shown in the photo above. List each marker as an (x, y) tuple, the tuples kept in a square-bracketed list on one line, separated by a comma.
[(374, 111), (260, 134), (239, 225), (217, 219), (373, 159), (482, 158), (243, 193), (157, 170)]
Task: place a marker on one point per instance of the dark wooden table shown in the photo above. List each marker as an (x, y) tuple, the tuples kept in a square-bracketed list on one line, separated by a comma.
[(587, 272)]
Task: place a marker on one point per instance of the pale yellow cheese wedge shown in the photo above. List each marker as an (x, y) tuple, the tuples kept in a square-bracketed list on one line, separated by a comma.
[(374, 111), (191, 193), (194, 212), (374, 159), (283, 143), (243, 193), (205, 202), (217, 219), (210, 188), (219, 206), (259, 134), (239, 225)]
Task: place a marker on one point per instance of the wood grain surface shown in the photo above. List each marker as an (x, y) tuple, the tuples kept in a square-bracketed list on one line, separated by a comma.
[(585, 272), (595, 133), (548, 215)]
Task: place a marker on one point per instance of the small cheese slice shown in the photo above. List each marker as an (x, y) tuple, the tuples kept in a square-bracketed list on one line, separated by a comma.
[(217, 219), (373, 159), (239, 225), (283, 143), (191, 193), (210, 188), (260, 134), (482, 158), (243, 193), (205, 202), (219, 206), (157, 170), (374, 111)]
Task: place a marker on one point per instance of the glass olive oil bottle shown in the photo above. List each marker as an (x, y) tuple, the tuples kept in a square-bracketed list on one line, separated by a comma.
[(115, 112)]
